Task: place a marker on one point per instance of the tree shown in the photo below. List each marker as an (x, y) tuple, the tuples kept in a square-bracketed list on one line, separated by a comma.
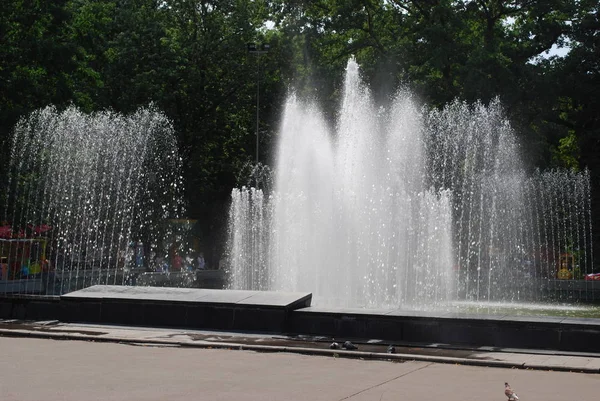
[(36, 62)]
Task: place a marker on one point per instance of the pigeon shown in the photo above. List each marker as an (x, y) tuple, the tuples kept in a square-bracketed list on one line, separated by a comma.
[(349, 346), (334, 345), (391, 349), (512, 396)]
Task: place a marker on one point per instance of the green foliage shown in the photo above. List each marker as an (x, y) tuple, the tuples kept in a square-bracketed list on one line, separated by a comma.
[(35, 58), (567, 152), (189, 57)]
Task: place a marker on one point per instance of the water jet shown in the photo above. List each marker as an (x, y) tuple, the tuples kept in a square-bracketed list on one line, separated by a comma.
[(100, 184), (408, 206)]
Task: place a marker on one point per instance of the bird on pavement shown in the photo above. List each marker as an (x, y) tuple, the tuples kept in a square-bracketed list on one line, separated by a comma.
[(334, 345), (391, 349), (349, 346), (512, 396)]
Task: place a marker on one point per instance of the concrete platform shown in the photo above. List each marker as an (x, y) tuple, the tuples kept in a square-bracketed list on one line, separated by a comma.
[(183, 307)]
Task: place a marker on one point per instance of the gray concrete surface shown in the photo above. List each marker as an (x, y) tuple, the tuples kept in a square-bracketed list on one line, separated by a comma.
[(43, 369), (371, 349)]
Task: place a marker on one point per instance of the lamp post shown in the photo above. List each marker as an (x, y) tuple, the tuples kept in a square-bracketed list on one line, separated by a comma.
[(253, 48)]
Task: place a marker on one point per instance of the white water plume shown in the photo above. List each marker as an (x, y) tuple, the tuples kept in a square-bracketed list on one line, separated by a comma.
[(407, 207), (100, 181)]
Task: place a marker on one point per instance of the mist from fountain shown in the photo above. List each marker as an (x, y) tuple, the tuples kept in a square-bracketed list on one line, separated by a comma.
[(406, 206), (101, 181)]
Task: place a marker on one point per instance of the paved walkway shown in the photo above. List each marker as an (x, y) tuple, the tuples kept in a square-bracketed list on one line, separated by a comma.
[(34, 369), (522, 359)]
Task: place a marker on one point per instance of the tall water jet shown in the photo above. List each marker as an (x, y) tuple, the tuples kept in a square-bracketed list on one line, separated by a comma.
[(407, 206), (473, 152), (101, 181), (510, 227), (352, 218)]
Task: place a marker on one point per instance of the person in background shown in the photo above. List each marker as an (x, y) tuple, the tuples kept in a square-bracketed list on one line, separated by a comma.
[(177, 262), (176, 259), (201, 263)]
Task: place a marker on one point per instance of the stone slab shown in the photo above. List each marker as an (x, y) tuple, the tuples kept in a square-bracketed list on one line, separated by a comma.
[(136, 293), (192, 295), (278, 299), (183, 307), (224, 296)]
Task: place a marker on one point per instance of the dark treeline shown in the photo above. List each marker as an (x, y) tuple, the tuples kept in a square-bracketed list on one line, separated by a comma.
[(190, 58)]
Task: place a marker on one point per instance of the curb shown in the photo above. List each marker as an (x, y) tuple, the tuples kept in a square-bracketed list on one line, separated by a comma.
[(298, 350)]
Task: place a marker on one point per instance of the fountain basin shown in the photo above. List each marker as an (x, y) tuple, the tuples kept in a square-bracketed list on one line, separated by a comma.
[(467, 325), (454, 328)]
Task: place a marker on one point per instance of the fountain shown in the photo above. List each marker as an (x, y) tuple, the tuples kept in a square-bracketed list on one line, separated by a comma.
[(404, 206), (100, 184)]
